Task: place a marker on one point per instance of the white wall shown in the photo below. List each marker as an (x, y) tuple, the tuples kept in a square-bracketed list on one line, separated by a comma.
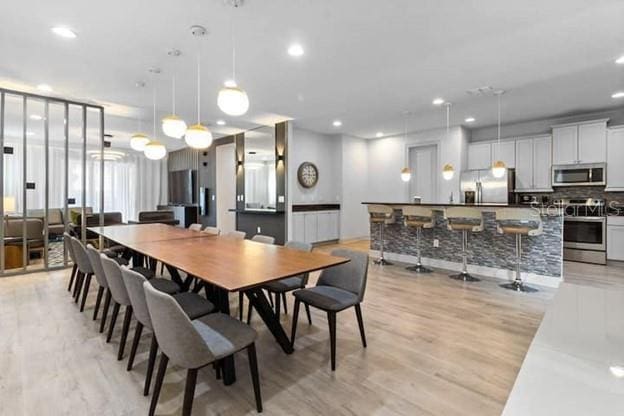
[(355, 177)]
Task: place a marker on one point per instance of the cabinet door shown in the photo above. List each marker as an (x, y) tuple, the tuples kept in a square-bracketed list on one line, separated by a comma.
[(479, 156), (615, 156), (565, 145), (505, 152), (323, 226), (524, 165), (334, 225), (615, 242), (311, 225), (298, 225), (592, 142), (542, 164)]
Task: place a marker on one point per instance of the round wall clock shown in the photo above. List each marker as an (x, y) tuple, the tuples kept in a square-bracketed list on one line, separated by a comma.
[(307, 174)]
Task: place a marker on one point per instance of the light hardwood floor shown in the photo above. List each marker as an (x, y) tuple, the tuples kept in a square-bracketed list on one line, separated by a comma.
[(435, 347)]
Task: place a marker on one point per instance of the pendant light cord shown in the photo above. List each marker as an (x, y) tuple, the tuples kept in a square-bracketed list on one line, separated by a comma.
[(499, 122), (198, 84), (448, 119), (173, 95), (154, 104), (233, 43)]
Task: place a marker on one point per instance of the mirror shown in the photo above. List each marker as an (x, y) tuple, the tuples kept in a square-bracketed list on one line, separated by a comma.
[(260, 179)]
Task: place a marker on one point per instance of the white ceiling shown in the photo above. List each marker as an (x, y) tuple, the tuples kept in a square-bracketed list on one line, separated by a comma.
[(366, 61)]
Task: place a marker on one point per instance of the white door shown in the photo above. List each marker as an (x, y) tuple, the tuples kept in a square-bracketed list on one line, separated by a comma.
[(615, 155), (479, 156), (423, 164), (542, 164), (226, 187), (524, 164), (565, 145), (592, 142)]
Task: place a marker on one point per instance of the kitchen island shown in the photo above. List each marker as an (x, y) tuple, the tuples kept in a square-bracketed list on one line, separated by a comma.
[(489, 253)]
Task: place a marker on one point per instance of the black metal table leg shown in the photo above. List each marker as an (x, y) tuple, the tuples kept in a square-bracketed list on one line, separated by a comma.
[(222, 302), (175, 276), (259, 301)]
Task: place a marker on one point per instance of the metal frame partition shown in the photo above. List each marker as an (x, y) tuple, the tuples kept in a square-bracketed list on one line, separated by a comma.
[(25, 98)]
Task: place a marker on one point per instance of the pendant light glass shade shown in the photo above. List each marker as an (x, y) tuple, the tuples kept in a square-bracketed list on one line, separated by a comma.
[(233, 101), (406, 175), (198, 137), (448, 172), (154, 150), (499, 169), (138, 141), (173, 126)]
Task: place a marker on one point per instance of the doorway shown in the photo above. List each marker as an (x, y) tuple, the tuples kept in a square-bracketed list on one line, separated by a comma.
[(423, 162)]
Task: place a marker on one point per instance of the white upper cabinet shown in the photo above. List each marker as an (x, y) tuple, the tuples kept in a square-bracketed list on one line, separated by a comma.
[(615, 156), (524, 165), (533, 164), (580, 143), (506, 152), (479, 156)]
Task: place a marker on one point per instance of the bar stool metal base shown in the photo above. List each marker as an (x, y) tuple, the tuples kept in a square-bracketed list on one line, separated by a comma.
[(418, 268), (465, 276), (382, 262), (518, 286)]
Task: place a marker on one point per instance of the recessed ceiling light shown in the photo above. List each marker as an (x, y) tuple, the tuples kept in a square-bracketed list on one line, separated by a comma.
[(379, 134), (469, 119), (337, 123), (617, 371), (221, 122), (36, 117), (619, 94), (295, 50), (620, 60), (438, 101), (64, 32), (44, 87)]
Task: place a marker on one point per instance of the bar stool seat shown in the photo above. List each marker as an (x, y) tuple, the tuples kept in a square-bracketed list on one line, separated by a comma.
[(381, 215), (419, 218), (466, 220), (519, 222)]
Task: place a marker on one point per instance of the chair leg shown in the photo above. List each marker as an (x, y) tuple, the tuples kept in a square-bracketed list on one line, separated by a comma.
[(107, 300), (307, 309), (78, 285), (277, 305), (358, 313), (150, 365), (293, 331), (160, 376), (111, 326), (253, 368), (124, 332), (98, 301), (271, 299), (85, 292), (72, 276), (135, 344), (284, 302), (189, 391), (249, 313), (240, 305), (331, 318)]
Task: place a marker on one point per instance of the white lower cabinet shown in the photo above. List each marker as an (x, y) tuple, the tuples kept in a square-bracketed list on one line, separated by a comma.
[(316, 226), (615, 238)]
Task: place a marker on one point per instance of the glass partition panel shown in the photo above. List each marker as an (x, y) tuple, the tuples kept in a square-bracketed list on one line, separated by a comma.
[(56, 184), (260, 179), (75, 178)]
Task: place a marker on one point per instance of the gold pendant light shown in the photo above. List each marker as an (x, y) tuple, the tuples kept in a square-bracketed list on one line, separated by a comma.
[(448, 171), (138, 140), (154, 150), (198, 136), (499, 168), (406, 173)]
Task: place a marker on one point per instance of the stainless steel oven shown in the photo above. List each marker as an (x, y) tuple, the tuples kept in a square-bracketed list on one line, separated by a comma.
[(584, 230), (579, 175)]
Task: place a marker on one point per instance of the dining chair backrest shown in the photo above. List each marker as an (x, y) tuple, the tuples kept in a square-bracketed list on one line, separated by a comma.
[(349, 276), (134, 285), (112, 270), (265, 239), (176, 334), (94, 258), (235, 235), (69, 246), (211, 230), (84, 265), (299, 245), (195, 227)]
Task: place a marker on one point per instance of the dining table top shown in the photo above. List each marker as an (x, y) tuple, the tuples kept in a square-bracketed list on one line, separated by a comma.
[(228, 263)]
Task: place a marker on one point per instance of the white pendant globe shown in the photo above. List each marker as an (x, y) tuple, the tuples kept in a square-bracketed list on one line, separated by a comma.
[(173, 126), (138, 141), (406, 175), (154, 150), (448, 172), (233, 101), (198, 137), (499, 169)]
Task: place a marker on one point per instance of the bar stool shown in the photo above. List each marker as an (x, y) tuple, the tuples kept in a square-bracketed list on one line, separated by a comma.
[(419, 218), (382, 215), (464, 219), (519, 222)]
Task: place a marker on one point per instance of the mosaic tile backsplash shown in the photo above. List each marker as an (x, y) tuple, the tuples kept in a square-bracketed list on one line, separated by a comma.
[(541, 254)]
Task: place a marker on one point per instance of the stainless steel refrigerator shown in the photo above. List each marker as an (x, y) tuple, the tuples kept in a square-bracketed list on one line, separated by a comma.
[(485, 188)]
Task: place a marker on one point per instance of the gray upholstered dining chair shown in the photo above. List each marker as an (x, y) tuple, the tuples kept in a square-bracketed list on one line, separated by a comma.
[(258, 238), (85, 271), (100, 276), (193, 305), (195, 227), (211, 230), (70, 250), (195, 344), (235, 235), (279, 288), (337, 289)]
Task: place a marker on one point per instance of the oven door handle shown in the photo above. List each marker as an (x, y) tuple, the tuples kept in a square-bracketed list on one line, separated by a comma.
[(585, 219)]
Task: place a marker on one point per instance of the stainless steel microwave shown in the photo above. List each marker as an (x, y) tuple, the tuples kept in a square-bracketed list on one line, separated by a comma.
[(579, 175)]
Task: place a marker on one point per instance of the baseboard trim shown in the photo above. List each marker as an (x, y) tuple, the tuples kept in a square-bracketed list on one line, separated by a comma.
[(502, 274)]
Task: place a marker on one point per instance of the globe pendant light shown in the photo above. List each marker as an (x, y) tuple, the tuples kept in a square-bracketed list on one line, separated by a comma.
[(138, 140), (232, 99), (172, 125), (448, 171), (499, 168), (406, 173), (154, 150), (198, 136)]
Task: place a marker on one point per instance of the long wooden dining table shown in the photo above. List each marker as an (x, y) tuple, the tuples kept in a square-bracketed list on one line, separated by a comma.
[(220, 265)]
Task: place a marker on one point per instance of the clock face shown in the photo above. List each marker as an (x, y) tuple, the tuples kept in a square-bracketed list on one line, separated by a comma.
[(307, 174)]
